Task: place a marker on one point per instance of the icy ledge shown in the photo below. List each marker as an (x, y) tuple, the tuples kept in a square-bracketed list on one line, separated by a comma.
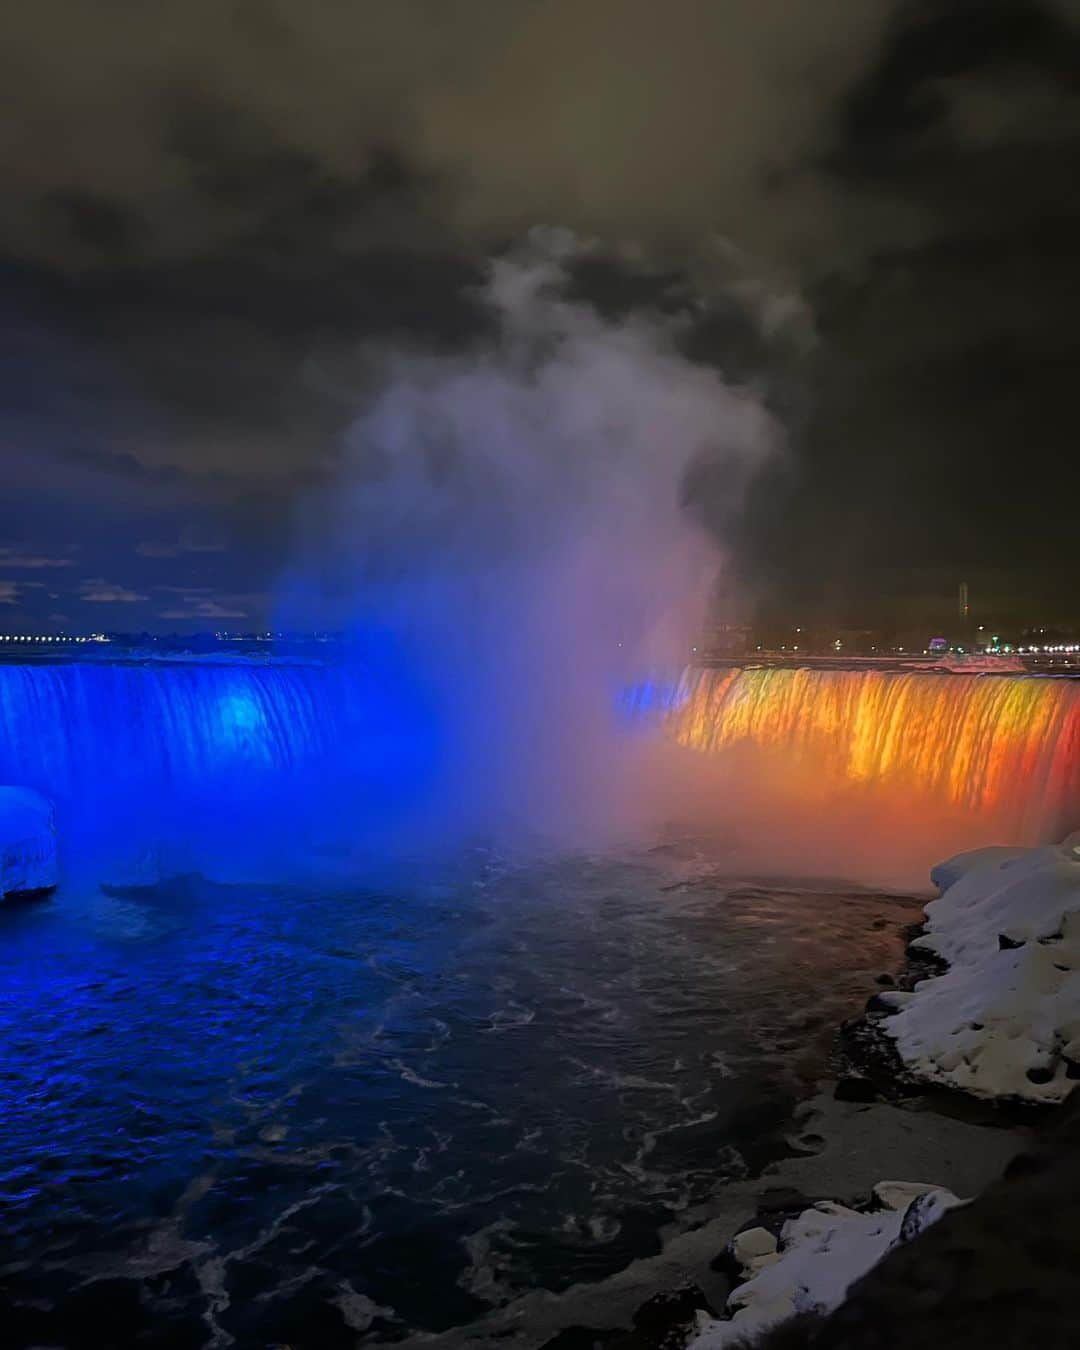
[(1004, 1020), (816, 1259), (27, 842)]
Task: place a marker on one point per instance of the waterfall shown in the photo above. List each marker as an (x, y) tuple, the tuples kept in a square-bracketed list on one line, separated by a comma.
[(1003, 747), (215, 761), (234, 755)]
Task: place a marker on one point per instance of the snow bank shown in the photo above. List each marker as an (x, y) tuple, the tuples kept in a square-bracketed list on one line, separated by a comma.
[(817, 1258), (1004, 1020), (27, 842)]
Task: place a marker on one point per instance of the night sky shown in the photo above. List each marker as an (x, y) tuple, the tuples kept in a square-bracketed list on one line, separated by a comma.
[(210, 207)]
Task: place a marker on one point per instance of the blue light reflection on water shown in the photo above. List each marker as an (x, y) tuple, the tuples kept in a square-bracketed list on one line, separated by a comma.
[(501, 1077)]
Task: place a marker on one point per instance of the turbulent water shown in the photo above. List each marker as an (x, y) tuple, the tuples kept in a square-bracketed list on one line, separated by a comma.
[(1006, 748), (290, 1116), (299, 1115)]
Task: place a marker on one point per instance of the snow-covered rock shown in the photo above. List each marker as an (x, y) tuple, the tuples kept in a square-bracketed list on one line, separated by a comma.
[(1004, 1019), (27, 842), (818, 1257)]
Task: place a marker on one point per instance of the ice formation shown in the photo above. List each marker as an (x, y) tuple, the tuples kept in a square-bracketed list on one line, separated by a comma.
[(1004, 1020), (27, 842), (817, 1258)]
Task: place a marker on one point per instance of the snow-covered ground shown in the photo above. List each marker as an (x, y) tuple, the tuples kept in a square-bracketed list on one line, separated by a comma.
[(1004, 1020), (27, 842), (818, 1256)]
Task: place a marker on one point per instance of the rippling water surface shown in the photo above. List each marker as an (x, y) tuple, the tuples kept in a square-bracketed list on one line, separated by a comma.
[(316, 1117)]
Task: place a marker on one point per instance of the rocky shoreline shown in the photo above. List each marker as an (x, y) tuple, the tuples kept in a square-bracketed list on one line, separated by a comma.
[(838, 1150), (930, 1196), (976, 1241), (819, 1274), (841, 1150)]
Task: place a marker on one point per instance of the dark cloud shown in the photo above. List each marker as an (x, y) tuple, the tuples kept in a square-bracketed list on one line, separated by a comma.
[(98, 591), (212, 210), (20, 560), (193, 539), (613, 116), (91, 223), (944, 381), (911, 92)]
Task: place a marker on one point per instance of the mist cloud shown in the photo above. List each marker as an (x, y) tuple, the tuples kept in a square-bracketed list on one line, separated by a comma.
[(516, 521)]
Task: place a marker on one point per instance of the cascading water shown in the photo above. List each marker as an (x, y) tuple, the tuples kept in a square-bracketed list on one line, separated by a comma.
[(1005, 749), (195, 756), (223, 762)]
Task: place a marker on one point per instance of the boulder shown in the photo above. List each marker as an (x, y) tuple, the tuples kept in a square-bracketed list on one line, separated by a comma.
[(28, 860), (1002, 1021)]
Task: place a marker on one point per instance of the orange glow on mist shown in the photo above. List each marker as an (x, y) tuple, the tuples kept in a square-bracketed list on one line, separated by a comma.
[(1003, 748)]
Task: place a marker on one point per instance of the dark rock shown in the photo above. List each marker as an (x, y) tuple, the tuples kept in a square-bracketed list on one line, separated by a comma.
[(884, 979), (1040, 1075), (724, 1263), (876, 1004), (783, 1200), (921, 964), (1024, 1165), (916, 1217), (1006, 943), (665, 1322), (672, 1311), (855, 1088)]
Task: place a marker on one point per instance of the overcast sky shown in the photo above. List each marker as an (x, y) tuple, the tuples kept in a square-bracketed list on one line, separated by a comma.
[(210, 207)]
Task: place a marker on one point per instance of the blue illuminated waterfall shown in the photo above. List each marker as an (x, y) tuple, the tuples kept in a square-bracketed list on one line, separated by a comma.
[(237, 756)]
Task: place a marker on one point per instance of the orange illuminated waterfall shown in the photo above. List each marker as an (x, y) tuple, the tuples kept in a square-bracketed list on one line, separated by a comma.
[(1002, 747)]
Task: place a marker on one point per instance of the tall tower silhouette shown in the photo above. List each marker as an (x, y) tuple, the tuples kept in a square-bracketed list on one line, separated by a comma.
[(964, 606)]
